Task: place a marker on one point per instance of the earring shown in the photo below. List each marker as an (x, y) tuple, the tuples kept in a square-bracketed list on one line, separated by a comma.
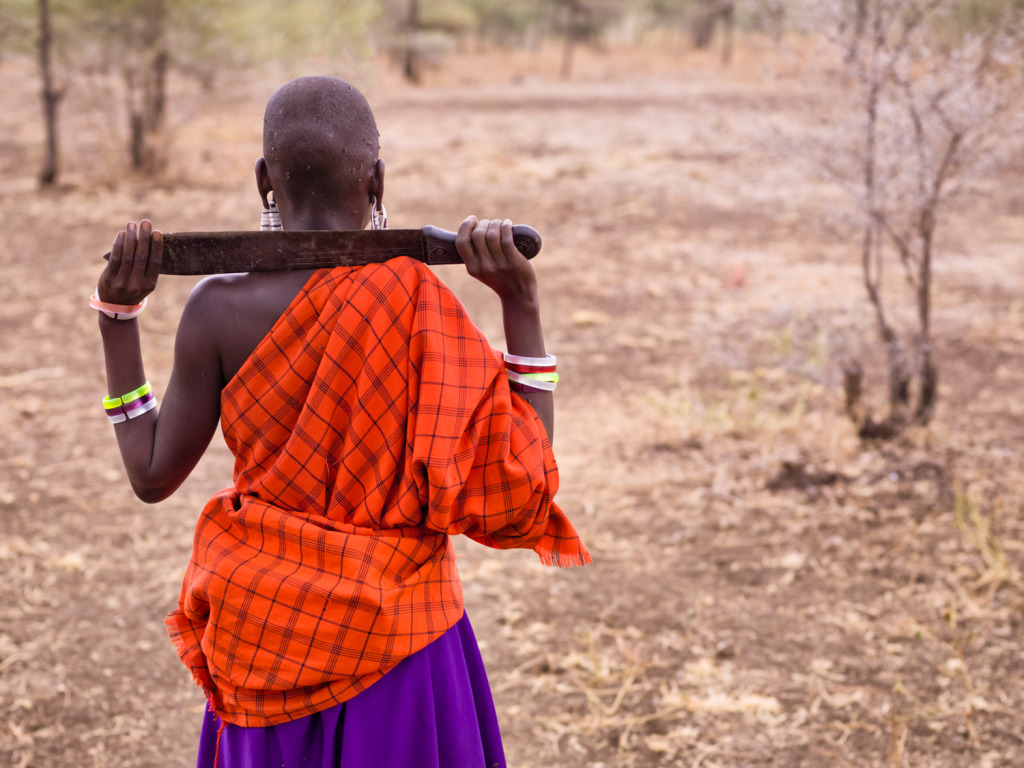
[(270, 219), (378, 219)]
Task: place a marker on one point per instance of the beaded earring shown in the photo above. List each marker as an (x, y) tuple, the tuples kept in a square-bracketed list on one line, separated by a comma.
[(270, 220), (378, 219)]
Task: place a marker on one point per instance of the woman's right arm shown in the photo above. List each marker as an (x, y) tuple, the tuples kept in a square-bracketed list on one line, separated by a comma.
[(160, 447)]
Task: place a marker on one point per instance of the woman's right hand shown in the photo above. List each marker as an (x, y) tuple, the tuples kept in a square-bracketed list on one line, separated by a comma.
[(134, 265)]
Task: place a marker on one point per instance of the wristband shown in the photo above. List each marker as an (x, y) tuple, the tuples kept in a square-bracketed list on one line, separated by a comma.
[(117, 311), (139, 407), (116, 416), (517, 362)]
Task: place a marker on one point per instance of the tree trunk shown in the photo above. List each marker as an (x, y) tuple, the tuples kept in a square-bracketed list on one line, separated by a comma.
[(860, 25), (136, 134), (728, 16), (711, 13), (156, 95), (853, 388), (411, 68), (703, 27), (899, 376), (928, 380), (51, 97), (572, 28), (928, 376)]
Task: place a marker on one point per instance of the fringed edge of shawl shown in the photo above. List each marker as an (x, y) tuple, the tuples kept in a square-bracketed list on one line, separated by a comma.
[(562, 560), (188, 651)]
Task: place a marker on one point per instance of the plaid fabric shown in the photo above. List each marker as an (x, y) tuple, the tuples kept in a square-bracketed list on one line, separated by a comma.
[(371, 423)]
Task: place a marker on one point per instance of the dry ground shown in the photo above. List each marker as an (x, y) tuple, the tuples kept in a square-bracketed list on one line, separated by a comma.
[(766, 591)]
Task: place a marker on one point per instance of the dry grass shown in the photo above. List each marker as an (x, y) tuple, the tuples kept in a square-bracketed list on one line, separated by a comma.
[(766, 590)]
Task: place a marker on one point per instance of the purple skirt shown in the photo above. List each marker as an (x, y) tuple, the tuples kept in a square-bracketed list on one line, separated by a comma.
[(433, 710)]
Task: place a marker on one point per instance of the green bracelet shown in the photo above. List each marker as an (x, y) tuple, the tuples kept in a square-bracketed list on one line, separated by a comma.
[(551, 377), (135, 394)]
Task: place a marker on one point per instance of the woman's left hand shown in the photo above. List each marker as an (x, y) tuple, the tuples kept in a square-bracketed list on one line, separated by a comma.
[(134, 266), (491, 256)]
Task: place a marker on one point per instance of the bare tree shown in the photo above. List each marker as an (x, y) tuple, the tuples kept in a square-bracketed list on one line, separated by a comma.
[(417, 35), (129, 37), (584, 21), (933, 101), (145, 77)]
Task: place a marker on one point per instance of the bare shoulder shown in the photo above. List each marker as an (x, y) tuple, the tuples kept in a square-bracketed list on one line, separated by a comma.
[(244, 296), (213, 296), (232, 313)]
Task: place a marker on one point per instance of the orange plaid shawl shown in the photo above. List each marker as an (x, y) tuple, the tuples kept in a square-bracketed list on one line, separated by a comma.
[(372, 422)]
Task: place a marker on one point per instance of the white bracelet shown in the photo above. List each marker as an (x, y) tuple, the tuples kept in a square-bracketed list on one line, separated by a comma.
[(533, 362), (144, 408)]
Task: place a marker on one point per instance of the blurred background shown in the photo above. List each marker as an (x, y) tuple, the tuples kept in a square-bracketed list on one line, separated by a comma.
[(783, 276)]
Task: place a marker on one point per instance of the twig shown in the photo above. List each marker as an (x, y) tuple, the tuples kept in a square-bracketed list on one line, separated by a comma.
[(834, 756), (20, 379), (898, 740), (514, 673), (704, 752), (1003, 729)]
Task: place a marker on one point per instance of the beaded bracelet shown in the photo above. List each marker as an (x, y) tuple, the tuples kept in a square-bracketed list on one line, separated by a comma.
[(131, 405), (117, 311)]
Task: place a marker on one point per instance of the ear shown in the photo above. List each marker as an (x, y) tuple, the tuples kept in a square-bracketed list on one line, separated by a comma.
[(263, 183), (376, 185)]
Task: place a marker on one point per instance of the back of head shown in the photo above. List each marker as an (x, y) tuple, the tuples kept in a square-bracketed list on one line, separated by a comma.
[(319, 139)]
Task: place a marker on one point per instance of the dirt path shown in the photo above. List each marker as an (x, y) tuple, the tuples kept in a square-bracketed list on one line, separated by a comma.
[(766, 590)]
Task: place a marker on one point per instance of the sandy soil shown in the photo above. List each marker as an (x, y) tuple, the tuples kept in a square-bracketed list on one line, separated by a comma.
[(766, 591)]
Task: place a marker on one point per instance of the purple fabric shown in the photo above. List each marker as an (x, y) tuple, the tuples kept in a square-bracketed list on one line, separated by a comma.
[(433, 710)]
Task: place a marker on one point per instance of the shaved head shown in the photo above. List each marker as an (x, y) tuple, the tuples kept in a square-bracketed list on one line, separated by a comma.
[(319, 139)]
